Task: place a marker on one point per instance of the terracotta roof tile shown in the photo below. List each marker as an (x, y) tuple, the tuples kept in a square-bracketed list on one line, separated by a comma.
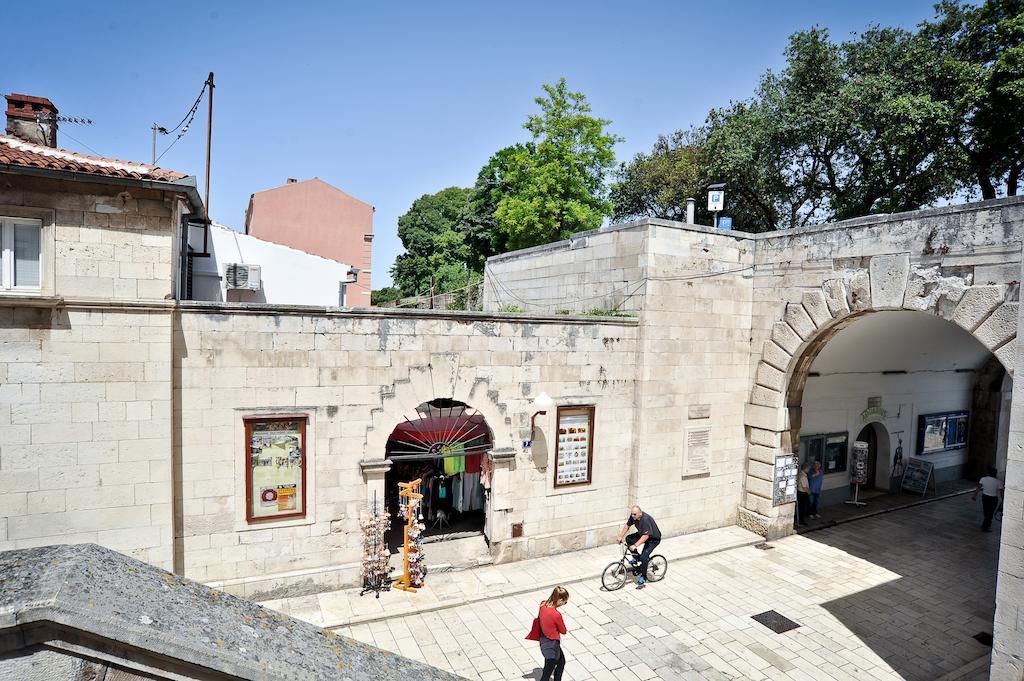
[(17, 152)]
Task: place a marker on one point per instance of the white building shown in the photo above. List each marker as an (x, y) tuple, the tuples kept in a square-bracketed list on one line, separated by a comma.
[(241, 268)]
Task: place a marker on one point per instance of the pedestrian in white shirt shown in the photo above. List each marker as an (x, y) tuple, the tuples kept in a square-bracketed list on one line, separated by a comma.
[(990, 488)]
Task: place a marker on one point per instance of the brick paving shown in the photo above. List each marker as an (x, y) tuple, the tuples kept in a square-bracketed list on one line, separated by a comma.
[(897, 596)]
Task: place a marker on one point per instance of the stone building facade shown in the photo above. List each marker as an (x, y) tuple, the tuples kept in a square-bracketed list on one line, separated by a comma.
[(123, 411)]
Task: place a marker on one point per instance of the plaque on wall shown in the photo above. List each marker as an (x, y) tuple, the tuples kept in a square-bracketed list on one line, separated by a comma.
[(699, 411), (697, 451)]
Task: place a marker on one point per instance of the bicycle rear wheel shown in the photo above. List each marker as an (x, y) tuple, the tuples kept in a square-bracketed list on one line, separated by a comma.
[(614, 576), (656, 568)]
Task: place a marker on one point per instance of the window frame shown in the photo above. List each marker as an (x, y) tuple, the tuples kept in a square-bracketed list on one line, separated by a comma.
[(248, 422), (7, 258), (576, 410), (822, 438)]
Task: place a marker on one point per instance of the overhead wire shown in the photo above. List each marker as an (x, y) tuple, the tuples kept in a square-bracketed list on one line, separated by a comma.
[(186, 122)]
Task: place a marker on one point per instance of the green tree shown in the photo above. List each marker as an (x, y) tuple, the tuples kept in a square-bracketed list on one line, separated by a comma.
[(555, 186), (433, 233), (657, 184), (388, 294), (981, 50)]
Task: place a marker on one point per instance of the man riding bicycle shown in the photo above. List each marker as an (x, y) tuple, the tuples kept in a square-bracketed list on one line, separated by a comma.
[(647, 536)]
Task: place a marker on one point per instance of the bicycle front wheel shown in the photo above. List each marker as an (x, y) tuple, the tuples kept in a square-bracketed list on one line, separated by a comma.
[(656, 568), (614, 576)]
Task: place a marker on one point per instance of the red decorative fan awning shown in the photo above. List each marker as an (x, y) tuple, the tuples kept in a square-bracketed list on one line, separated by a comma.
[(453, 432)]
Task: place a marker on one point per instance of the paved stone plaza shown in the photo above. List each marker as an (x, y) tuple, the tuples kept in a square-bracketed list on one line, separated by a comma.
[(895, 596)]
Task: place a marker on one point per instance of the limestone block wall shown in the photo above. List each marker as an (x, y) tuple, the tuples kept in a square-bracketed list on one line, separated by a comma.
[(356, 375), (690, 287), (100, 241), (85, 428), (597, 270), (1008, 650), (695, 341)]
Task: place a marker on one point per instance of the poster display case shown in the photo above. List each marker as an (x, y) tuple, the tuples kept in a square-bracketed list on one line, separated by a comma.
[(275, 484), (575, 452)]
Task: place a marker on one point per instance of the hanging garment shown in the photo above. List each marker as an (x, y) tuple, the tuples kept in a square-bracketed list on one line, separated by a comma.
[(457, 490), (470, 485), (473, 463), (451, 465), (486, 469)]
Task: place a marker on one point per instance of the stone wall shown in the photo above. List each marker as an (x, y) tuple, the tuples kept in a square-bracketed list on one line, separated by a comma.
[(85, 411), (1008, 651), (690, 288), (356, 375)]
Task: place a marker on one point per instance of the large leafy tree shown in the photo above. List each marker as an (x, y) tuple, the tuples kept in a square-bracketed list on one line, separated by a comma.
[(981, 49), (555, 186), (658, 183), (433, 233)]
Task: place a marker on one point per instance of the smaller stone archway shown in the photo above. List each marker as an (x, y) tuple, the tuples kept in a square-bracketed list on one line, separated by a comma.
[(774, 412), (879, 452)]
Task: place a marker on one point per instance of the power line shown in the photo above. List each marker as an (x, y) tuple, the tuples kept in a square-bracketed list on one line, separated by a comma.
[(66, 134), (186, 121)]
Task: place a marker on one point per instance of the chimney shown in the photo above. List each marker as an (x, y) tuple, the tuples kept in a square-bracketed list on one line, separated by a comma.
[(292, 180), (33, 119)]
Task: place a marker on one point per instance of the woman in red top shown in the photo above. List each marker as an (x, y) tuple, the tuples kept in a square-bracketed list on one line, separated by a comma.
[(551, 629)]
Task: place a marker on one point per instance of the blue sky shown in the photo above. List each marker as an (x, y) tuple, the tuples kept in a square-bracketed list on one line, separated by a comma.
[(389, 101)]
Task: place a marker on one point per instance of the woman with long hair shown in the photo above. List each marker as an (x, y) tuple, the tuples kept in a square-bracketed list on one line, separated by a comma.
[(548, 628)]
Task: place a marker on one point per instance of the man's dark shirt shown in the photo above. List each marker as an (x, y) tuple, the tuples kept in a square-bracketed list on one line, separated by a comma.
[(645, 525)]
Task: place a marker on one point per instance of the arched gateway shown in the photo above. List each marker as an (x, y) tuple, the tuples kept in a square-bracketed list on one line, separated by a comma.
[(774, 414)]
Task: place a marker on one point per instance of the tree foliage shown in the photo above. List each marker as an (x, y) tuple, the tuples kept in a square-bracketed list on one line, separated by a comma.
[(555, 185), (434, 236), (888, 120)]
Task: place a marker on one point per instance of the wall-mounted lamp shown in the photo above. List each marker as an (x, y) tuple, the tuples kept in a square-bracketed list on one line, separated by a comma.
[(541, 403)]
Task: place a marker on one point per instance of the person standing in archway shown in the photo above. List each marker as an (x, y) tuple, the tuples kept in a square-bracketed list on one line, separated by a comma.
[(990, 488), (803, 496), (816, 479)]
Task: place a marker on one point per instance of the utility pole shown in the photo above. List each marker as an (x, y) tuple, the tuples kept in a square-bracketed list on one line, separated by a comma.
[(209, 137), (155, 128)]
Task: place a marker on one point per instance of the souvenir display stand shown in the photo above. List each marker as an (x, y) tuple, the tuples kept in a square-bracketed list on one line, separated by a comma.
[(376, 557), (414, 569)]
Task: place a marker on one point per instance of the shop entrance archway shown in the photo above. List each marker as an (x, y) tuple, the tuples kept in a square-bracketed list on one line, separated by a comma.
[(444, 446), (879, 453)]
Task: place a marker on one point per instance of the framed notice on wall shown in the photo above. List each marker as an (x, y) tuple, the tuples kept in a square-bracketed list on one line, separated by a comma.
[(575, 453), (275, 485)]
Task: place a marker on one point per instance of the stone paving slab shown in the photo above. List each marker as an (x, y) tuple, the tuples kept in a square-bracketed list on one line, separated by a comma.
[(894, 597), (455, 588)]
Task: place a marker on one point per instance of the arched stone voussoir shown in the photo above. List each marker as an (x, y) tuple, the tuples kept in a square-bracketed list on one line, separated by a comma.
[(976, 304), (776, 356), (817, 308), (836, 297), (889, 275), (770, 377), (796, 316), (1000, 326), (786, 338)]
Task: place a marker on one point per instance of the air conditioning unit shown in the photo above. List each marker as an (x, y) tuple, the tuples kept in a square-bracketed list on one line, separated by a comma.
[(241, 276)]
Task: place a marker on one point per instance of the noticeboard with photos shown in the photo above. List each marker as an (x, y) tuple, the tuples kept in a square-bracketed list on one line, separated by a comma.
[(276, 476), (574, 456)]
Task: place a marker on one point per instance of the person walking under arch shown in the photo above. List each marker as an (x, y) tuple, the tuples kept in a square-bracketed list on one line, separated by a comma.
[(990, 488)]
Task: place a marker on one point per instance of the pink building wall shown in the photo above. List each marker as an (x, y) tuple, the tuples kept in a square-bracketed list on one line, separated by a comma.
[(317, 218)]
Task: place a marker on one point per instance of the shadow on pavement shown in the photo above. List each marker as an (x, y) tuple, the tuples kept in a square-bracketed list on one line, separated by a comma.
[(922, 623)]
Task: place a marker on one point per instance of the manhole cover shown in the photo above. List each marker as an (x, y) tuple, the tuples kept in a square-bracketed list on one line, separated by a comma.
[(775, 621), (983, 638)]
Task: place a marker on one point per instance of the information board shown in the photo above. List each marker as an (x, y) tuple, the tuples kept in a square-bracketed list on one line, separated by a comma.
[(784, 485), (918, 477), (859, 472)]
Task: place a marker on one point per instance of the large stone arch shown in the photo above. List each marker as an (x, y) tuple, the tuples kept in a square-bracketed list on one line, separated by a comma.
[(773, 413)]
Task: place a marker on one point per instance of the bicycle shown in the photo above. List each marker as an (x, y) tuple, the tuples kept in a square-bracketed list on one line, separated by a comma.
[(617, 574)]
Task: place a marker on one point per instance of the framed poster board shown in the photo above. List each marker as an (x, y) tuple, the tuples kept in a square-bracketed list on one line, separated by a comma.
[(941, 432), (574, 459), (784, 485), (275, 481), (918, 477)]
